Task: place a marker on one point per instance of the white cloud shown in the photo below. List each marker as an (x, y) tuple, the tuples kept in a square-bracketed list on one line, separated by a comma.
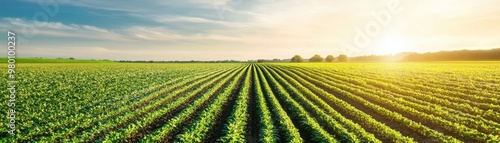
[(95, 29), (274, 28), (31, 29)]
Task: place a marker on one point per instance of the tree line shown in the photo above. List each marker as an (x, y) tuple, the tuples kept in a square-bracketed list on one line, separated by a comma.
[(318, 58), (462, 55)]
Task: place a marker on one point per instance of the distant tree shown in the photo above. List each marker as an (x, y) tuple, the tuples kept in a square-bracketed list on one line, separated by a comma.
[(71, 58), (316, 58), (342, 58), (329, 58), (297, 59)]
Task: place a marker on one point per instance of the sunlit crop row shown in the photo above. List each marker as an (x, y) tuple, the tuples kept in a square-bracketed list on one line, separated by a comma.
[(258, 102)]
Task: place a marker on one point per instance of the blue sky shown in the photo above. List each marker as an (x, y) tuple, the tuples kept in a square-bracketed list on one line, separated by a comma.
[(243, 30)]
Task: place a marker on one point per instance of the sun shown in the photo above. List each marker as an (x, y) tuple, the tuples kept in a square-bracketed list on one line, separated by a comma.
[(393, 44)]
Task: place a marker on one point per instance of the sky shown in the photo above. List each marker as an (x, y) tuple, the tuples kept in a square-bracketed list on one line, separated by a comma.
[(245, 30)]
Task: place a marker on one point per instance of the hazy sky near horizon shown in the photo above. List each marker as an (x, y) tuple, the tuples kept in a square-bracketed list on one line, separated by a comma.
[(243, 30)]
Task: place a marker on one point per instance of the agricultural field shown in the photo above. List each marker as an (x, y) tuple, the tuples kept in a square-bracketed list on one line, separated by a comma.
[(256, 102)]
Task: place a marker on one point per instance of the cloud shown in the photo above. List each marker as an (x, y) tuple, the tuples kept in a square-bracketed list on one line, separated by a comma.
[(95, 29), (168, 19), (194, 28), (32, 29), (134, 33)]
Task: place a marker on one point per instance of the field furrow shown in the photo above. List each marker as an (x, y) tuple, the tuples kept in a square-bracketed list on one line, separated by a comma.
[(258, 102)]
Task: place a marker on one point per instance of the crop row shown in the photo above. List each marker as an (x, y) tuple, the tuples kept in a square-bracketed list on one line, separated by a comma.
[(258, 102)]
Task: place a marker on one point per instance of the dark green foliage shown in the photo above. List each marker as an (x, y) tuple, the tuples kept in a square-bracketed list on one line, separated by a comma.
[(329, 58), (342, 58), (316, 58), (463, 55), (297, 59)]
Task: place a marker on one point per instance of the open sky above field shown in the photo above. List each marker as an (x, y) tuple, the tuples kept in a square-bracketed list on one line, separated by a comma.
[(243, 30)]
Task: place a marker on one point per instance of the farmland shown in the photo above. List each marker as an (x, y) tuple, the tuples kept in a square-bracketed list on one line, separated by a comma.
[(250, 102)]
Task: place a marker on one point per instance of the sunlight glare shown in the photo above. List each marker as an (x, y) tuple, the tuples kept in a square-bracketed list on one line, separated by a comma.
[(392, 44)]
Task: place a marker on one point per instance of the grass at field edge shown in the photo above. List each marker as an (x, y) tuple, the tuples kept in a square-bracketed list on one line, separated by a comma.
[(48, 60)]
